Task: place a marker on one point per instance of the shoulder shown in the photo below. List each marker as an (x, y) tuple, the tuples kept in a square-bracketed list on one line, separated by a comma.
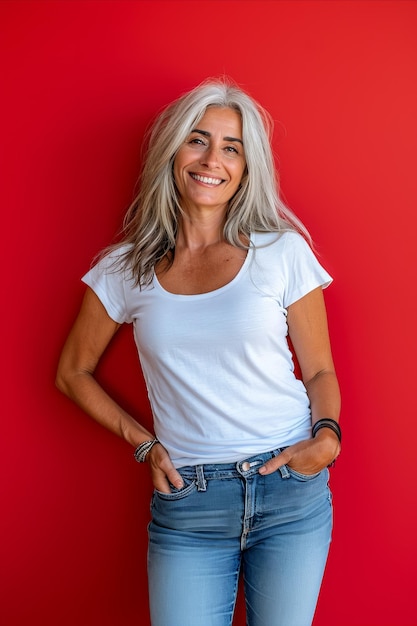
[(289, 253), (110, 268), (112, 260), (286, 241), (112, 283), (115, 253)]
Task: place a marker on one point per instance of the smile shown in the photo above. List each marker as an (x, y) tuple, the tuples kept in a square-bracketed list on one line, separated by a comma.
[(207, 179)]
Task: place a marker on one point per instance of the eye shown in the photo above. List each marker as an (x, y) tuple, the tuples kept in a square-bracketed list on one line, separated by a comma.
[(197, 141), (231, 149)]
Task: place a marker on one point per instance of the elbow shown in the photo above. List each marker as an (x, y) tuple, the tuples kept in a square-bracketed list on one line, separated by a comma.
[(320, 374), (70, 380), (64, 378), (61, 382)]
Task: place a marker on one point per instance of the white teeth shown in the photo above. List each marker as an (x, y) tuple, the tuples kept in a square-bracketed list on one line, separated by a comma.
[(207, 180)]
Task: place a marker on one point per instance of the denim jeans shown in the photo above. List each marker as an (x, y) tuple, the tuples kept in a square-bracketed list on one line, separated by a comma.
[(228, 518)]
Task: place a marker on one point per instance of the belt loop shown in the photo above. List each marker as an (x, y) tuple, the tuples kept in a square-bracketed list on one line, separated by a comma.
[(201, 481), (284, 471)]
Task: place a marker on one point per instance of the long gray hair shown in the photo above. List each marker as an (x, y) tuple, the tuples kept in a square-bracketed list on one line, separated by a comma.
[(151, 222)]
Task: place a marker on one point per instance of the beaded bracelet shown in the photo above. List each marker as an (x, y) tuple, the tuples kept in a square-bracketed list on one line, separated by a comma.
[(143, 449), (327, 422)]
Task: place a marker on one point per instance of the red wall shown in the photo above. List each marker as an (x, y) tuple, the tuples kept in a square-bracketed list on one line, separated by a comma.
[(81, 81)]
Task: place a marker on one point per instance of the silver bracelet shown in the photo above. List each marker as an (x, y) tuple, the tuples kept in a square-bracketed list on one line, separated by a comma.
[(143, 449)]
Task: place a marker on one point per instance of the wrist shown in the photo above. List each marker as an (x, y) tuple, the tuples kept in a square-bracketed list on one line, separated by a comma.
[(143, 449), (327, 424), (326, 434), (327, 429)]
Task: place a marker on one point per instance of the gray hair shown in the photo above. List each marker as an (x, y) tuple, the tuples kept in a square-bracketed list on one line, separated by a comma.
[(151, 222)]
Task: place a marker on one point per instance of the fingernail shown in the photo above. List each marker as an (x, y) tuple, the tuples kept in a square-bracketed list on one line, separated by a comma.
[(262, 469)]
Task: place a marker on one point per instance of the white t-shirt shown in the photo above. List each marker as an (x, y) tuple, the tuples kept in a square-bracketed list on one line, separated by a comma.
[(219, 373)]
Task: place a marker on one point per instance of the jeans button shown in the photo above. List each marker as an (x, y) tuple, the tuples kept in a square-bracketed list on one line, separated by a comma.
[(246, 466)]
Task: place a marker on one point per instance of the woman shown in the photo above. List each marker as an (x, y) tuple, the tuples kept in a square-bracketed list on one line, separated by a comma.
[(215, 273)]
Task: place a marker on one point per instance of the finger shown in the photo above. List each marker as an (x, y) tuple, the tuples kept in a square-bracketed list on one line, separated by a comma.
[(175, 478), (160, 482), (172, 475), (163, 482), (165, 475), (163, 471), (272, 465)]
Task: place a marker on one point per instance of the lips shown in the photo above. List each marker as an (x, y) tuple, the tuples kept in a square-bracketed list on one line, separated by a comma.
[(207, 180)]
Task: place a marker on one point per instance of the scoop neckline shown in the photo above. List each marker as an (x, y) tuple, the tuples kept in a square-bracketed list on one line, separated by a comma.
[(206, 294)]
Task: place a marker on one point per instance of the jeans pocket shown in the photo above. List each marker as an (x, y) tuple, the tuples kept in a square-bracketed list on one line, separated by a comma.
[(190, 486), (304, 478)]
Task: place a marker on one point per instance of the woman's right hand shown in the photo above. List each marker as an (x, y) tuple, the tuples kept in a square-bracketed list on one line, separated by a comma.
[(162, 470)]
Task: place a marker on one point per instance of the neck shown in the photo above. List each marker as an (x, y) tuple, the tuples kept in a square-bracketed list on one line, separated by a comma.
[(200, 231)]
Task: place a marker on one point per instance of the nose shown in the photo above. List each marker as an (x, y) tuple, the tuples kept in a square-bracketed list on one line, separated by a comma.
[(210, 157)]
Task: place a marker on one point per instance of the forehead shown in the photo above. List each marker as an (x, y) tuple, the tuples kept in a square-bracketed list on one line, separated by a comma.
[(222, 118)]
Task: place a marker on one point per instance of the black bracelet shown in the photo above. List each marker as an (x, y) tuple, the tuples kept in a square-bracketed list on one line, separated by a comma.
[(327, 422)]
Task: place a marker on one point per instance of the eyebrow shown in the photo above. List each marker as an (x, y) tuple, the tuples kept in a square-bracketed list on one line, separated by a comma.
[(207, 134)]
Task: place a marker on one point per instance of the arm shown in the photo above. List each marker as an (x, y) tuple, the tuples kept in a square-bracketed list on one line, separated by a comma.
[(89, 337), (307, 325)]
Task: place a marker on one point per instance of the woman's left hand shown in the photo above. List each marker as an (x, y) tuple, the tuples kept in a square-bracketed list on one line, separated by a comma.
[(306, 457)]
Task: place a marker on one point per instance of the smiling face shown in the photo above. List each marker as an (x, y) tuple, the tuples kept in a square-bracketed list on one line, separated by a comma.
[(209, 166)]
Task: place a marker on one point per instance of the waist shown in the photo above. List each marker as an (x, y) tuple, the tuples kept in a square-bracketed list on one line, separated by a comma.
[(245, 467)]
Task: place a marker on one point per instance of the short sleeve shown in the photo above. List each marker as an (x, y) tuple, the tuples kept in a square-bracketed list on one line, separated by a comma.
[(109, 283), (302, 268)]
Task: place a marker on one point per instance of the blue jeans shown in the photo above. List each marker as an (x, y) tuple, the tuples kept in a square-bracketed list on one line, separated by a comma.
[(228, 518)]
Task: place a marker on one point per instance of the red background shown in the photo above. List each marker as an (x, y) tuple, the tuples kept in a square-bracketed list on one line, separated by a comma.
[(81, 80)]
